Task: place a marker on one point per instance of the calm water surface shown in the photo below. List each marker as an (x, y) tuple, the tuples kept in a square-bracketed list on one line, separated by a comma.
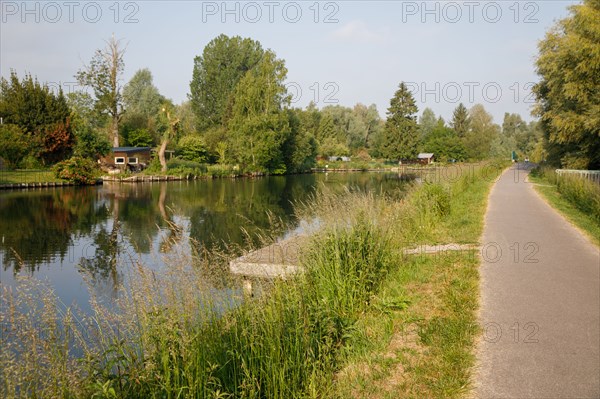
[(78, 238)]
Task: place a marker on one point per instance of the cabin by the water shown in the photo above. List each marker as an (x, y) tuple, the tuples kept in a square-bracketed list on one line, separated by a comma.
[(127, 158)]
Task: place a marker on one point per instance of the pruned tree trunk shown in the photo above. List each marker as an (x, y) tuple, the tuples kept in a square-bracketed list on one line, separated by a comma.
[(161, 154), (115, 131)]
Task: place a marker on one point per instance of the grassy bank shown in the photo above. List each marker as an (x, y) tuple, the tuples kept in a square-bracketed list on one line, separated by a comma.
[(27, 176), (576, 198), (363, 320)]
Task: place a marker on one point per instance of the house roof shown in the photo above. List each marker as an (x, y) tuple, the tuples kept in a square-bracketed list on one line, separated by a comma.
[(130, 149), (425, 155)]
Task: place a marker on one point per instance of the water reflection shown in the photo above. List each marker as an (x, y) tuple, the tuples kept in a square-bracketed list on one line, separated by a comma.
[(79, 238)]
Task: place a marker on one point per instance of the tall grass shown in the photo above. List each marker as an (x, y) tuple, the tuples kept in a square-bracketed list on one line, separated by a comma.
[(582, 193), (170, 336)]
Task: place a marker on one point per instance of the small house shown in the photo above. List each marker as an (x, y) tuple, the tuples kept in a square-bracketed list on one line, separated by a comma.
[(132, 158), (425, 158)]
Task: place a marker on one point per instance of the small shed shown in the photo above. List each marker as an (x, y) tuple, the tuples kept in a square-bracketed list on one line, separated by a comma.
[(128, 157), (425, 158)]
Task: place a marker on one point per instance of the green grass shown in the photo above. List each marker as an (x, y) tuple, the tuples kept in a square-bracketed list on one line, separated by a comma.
[(576, 199), (418, 339), (27, 176), (364, 320)]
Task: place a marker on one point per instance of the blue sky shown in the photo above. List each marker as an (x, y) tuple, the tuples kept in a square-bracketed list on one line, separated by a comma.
[(341, 52)]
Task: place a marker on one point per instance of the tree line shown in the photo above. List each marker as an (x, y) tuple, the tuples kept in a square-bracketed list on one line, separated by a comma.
[(239, 113)]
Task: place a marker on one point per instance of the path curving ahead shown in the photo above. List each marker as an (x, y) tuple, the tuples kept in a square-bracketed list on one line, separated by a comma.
[(540, 300)]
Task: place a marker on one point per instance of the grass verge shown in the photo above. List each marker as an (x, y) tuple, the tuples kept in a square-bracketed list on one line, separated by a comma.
[(27, 176), (576, 199)]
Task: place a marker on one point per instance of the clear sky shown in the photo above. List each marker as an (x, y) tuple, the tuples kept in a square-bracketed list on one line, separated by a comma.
[(341, 52)]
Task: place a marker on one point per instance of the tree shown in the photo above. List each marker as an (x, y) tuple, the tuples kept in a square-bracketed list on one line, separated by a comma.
[(168, 126), (223, 63), (140, 96), (427, 122), (300, 147), (192, 148), (460, 120), (103, 75), (444, 143), (401, 134), (90, 141), (371, 121), (482, 131), (43, 116), (142, 102), (259, 126), (567, 94), (13, 145)]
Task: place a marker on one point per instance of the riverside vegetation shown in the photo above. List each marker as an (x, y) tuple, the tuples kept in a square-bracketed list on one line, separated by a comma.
[(362, 320), (576, 197)]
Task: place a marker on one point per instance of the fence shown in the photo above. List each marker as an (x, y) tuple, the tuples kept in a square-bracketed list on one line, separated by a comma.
[(593, 175)]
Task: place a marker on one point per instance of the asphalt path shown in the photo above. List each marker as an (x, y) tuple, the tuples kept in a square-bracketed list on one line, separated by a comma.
[(540, 299)]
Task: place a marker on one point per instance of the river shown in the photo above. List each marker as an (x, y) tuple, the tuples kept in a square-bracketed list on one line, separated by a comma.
[(79, 239)]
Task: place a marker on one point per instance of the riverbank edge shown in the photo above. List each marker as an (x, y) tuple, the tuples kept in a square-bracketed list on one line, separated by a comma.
[(140, 178)]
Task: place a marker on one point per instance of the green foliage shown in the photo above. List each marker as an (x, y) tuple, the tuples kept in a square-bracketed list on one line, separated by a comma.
[(140, 138), (567, 95), (444, 143), (102, 74), (300, 148), (184, 167), (259, 126), (141, 96), (582, 193), (217, 72), (460, 120), (192, 148), (401, 134), (42, 115), (14, 145), (77, 170), (427, 122), (432, 201), (482, 131)]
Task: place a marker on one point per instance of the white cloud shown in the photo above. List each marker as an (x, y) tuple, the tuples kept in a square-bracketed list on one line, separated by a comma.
[(358, 31)]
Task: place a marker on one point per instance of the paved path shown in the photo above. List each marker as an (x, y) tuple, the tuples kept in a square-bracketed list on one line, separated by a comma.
[(540, 286)]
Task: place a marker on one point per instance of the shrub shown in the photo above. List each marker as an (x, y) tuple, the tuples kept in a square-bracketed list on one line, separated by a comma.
[(77, 170), (192, 148), (13, 144)]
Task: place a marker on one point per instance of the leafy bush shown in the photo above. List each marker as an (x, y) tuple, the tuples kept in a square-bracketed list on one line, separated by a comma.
[(192, 148), (13, 144), (77, 170), (179, 166)]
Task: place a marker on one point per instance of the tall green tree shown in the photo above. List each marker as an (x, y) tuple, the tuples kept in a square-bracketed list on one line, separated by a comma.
[(91, 140), (103, 74), (219, 69), (482, 131), (371, 122), (141, 96), (401, 135), (460, 120), (427, 122), (259, 125), (42, 115), (568, 99), (142, 102)]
